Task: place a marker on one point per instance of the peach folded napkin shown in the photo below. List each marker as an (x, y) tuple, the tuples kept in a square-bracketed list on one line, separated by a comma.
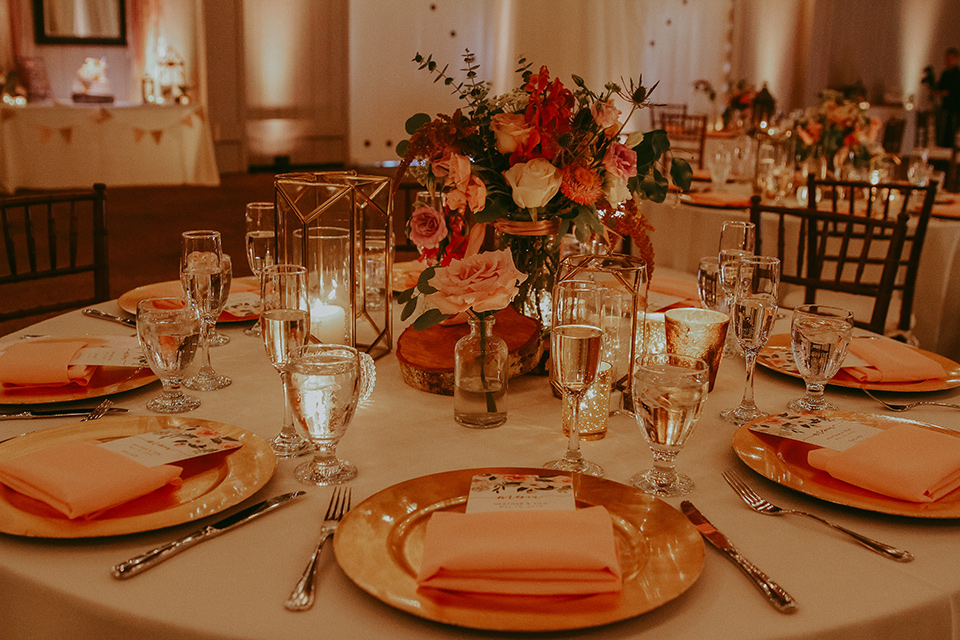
[(540, 553), (686, 289), (905, 462), (719, 199), (891, 361), (34, 363), (80, 479)]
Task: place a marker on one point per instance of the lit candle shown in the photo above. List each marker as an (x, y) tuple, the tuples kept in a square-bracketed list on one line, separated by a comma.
[(328, 323)]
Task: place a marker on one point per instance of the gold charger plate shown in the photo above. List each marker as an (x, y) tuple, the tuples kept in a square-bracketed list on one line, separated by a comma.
[(211, 483), (784, 461), (770, 357), (106, 381), (379, 545), (173, 289)]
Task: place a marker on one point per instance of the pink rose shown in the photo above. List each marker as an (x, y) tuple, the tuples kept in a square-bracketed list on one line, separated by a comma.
[(482, 282), (474, 196), (455, 168), (605, 113), (533, 183), (511, 131), (427, 227), (621, 161)]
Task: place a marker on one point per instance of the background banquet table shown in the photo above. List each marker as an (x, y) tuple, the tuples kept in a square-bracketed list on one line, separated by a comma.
[(234, 586), (686, 232), (63, 146)]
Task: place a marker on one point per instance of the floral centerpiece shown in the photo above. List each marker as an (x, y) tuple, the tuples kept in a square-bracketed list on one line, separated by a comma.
[(739, 103), (536, 162), (838, 128)]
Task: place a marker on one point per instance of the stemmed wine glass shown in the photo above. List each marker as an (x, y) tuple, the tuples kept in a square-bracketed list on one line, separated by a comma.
[(820, 336), (754, 310), (708, 284), (575, 356), (325, 382), (201, 276), (261, 242), (285, 313), (737, 239), (169, 332), (226, 272), (668, 394)]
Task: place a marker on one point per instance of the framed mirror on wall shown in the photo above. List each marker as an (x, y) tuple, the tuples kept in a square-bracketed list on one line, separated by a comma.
[(99, 22)]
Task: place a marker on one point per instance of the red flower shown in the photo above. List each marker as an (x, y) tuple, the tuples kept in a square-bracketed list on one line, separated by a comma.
[(548, 112)]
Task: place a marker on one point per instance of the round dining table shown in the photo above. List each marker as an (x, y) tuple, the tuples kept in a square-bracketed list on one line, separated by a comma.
[(234, 586)]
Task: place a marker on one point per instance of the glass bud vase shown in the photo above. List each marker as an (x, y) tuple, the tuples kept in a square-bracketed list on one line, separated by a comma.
[(480, 377)]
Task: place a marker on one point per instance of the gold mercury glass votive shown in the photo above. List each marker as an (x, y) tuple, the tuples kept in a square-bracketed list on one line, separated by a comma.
[(595, 408), (699, 333)]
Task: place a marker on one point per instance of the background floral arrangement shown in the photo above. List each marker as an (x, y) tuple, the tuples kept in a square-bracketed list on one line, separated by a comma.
[(739, 102), (837, 127), (535, 162)]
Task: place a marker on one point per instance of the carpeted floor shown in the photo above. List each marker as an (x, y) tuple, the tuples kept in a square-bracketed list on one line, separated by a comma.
[(144, 226)]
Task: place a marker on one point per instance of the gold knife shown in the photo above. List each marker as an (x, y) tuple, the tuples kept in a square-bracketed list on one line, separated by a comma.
[(774, 592)]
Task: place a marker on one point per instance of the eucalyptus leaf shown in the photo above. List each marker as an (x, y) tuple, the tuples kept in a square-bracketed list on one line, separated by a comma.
[(429, 318), (423, 283), (402, 147), (406, 295), (681, 173), (416, 121), (408, 309)]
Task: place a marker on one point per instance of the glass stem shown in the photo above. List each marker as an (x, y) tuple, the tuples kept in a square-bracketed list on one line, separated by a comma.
[(751, 360), (573, 444), (326, 455), (287, 431), (814, 394), (207, 337), (171, 389)]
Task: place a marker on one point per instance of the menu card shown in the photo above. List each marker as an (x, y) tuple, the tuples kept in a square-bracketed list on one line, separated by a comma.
[(171, 445), (118, 352), (520, 492), (830, 432)]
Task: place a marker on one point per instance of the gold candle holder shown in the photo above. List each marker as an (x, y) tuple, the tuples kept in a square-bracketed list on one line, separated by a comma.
[(595, 408), (654, 334), (699, 333)]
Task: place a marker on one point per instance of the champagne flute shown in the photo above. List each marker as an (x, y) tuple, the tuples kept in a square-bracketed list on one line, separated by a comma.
[(169, 333), (261, 243), (575, 356), (325, 382), (668, 394), (286, 324), (820, 336), (226, 272), (201, 276), (754, 309), (737, 239)]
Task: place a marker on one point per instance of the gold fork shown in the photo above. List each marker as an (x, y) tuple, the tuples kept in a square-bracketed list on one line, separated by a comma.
[(302, 596)]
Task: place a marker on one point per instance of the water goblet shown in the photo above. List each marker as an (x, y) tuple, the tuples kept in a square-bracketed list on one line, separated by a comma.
[(820, 337), (285, 313), (720, 164), (261, 243), (326, 383), (201, 276), (169, 333), (226, 271), (575, 356), (668, 395), (754, 310)]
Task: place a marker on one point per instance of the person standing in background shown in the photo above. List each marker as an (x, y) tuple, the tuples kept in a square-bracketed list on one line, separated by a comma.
[(948, 90)]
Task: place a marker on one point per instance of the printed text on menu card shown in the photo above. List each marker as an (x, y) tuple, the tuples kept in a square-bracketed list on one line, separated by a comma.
[(171, 445), (830, 432), (506, 492)]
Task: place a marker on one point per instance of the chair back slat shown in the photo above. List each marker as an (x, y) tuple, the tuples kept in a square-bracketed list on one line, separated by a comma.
[(837, 252), (56, 252), (687, 134), (884, 201)]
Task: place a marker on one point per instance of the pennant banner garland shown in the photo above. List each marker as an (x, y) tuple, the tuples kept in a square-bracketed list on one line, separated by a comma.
[(103, 115)]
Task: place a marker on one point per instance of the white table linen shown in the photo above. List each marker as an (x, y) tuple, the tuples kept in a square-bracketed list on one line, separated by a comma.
[(60, 146), (234, 586)]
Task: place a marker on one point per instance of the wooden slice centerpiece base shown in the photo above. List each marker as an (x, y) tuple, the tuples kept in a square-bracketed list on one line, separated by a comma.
[(427, 357)]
